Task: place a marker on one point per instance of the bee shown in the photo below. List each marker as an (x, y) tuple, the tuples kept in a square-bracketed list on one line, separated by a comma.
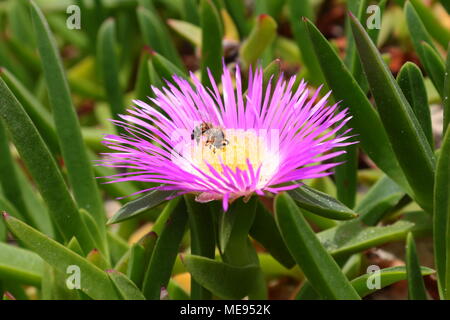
[(215, 137)]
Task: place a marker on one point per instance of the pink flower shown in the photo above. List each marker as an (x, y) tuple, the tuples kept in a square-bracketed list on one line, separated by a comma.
[(224, 146)]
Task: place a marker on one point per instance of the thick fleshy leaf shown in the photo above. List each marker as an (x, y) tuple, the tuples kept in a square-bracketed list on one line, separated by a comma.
[(365, 122), (136, 263), (346, 177), (189, 31), (203, 239), (441, 219), (117, 246), (176, 292), (416, 29), (321, 203), (35, 204), (419, 36), (109, 68), (353, 236), (237, 10), (43, 168), (156, 35), (351, 269), (94, 282), (404, 131), (416, 287), (74, 245), (125, 286), (435, 67), (190, 11), (298, 9), (142, 88), (165, 252), (9, 181), (165, 68), (383, 195), (387, 276), (222, 279), (234, 243), (235, 223), (446, 96), (317, 264), (212, 32), (96, 258), (41, 117), (359, 8), (431, 22), (265, 231), (20, 265), (261, 37), (140, 205), (411, 82), (79, 168)]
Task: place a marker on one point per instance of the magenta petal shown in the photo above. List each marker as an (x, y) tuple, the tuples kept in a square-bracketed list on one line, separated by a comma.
[(308, 131)]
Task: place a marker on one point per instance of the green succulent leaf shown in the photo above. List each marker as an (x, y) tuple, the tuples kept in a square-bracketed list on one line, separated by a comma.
[(317, 264), (176, 292), (165, 68), (165, 252), (321, 203), (79, 168), (135, 207), (404, 131), (366, 122), (237, 11), (222, 279), (446, 96), (125, 286), (298, 9), (441, 221), (381, 197), (417, 29), (431, 22), (416, 286), (387, 277), (260, 38), (20, 265), (424, 46), (212, 33), (187, 30), (353, 236), (411, 82), (94, 282), (156, 35), (264, 230), (434, 66), (108, 65), (202, 239), (9, 181), (43, 168), (136, 264), (97, 258), (36, 111)]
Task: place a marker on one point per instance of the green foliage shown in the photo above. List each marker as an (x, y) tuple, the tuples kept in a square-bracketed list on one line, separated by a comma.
[(59, 87)]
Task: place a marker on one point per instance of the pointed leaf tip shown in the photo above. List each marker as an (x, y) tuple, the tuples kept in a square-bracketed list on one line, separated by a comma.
[(9, 296)]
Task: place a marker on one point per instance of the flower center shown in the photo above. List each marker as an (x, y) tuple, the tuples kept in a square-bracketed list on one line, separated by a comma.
[(232, 148)]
